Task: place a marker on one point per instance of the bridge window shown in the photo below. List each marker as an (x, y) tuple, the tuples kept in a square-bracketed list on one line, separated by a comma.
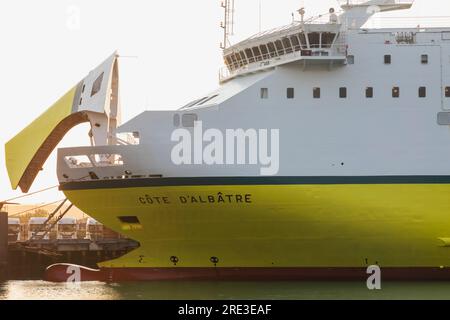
[(316, 93), (272, 49), (287, 45), (279, 46), (264, 93), (290, 93), (235, 61), (264, 51), (395, 92), (369, 92), (235, 58), (238, 59), (229, 62), (424, 59), (343, 92), (257, 53), (314, 39), (387, 59), (295, 43), (327, 39), (302, 38), (249, 54), (422, 92), (243, 58)]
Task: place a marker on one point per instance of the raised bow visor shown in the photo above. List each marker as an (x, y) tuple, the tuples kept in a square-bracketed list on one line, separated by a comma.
[(95, 99)]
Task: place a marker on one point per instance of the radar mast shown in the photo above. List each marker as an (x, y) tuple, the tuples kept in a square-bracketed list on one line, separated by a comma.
[(228, 24)]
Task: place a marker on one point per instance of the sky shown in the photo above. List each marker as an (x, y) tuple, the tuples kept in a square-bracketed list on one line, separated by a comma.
[(170, 50)]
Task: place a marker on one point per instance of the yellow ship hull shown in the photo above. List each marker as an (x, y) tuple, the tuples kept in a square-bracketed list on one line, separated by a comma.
[(256, 228)]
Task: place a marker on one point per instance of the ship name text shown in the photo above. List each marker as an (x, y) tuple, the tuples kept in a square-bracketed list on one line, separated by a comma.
[(219, 198)]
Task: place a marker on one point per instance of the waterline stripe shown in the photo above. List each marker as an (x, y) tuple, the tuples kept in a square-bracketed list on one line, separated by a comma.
[(260, 180)]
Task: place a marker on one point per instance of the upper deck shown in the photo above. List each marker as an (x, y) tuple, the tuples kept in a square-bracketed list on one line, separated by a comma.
[(316, 40), (307, 41)]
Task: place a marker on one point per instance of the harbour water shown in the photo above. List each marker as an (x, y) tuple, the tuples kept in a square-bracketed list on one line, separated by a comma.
[(40, 290)]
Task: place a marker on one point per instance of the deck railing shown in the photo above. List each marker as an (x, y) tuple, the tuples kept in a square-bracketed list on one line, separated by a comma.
[(281, 56)]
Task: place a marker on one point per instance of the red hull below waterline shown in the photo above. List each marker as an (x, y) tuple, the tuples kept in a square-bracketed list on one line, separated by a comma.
[(73, 273)]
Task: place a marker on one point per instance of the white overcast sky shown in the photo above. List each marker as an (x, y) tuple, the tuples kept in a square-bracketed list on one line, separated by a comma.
[(176, 43)]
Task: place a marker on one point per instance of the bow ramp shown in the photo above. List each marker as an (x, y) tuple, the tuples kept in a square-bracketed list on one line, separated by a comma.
[(95, 99)]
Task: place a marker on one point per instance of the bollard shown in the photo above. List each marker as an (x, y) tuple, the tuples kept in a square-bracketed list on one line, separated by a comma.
[(3, 243)]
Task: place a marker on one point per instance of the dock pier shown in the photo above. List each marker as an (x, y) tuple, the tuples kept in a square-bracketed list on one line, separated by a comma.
[(25, 257), (3, 244), (28, 260)]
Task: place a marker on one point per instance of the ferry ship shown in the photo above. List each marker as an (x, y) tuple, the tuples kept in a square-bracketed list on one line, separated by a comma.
[(346, 162)]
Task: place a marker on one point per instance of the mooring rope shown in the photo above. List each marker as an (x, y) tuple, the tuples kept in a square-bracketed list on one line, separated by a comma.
[(36, 208), (30, 194), (42, 190)]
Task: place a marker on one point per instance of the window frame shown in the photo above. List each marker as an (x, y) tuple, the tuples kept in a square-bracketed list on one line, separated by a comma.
[(422, 92), (396, 92), (264, 93), (371, 90), (343, 93), (290, 93), (317, 93), (387, 59), (424, 59)]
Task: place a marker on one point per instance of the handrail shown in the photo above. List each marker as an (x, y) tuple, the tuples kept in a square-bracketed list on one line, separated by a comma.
[(289, 53), (285, 51)]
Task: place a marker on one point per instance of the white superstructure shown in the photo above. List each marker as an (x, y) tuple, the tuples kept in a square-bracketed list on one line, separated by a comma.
[(347, 102)]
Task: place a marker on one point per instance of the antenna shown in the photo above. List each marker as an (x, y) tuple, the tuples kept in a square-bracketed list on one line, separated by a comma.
[(260, 15), (302, 11), (228, 24)]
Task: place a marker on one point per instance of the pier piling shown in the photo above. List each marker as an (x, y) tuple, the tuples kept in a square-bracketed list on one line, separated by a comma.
[(3, 243)]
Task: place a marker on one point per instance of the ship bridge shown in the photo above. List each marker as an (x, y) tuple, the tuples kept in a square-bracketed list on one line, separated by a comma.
[(312, 41), (318, 40)]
